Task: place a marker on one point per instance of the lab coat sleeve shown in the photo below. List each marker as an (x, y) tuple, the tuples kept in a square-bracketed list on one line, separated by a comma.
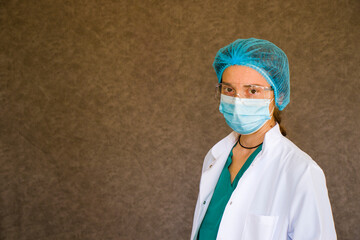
[(310, 213)]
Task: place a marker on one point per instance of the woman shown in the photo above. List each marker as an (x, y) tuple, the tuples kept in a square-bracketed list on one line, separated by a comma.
[(255, 183)]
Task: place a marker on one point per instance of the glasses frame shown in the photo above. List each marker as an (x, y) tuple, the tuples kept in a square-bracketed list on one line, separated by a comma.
[(219, 85)]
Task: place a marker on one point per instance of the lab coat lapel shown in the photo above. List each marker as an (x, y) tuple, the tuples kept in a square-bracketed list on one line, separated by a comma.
[(215, 164), (210, 176)]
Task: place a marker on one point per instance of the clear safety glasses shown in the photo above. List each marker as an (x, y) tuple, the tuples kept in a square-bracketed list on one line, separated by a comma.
[(245, 91)]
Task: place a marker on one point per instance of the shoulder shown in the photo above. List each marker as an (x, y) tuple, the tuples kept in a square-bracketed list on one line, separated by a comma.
[(288, 160), (294, 158), (301, 173), (284, 151)]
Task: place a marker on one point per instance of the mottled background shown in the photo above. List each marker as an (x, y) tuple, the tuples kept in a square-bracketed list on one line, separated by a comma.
[(107, 109)]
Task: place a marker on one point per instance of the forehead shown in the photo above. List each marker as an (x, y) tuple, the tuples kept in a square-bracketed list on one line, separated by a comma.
[(236, 75)]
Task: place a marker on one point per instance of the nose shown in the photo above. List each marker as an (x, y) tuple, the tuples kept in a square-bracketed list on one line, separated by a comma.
[(237, 95)]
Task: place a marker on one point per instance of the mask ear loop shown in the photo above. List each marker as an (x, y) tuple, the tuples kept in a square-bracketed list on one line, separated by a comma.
[(273, 107), (271, 114)]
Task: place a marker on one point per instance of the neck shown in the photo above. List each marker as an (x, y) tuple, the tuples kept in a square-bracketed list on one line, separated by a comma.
[(257, 137)]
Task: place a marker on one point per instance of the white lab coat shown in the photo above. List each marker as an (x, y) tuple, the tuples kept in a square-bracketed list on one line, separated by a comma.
[(281, 196)]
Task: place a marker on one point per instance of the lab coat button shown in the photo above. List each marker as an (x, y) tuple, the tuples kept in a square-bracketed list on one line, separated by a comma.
[(230, 202), (210, 166), (204, 202)]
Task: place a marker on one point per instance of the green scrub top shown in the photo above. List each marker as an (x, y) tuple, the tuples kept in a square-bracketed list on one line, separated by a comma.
[(222, 193)]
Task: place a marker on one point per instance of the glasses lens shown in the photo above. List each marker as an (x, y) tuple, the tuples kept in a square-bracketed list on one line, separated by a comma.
[(256, 92), (227, 90), (218, 92), (247, 91)]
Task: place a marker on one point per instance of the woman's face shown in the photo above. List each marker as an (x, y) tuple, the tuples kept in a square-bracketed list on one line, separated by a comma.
[(238, 76)]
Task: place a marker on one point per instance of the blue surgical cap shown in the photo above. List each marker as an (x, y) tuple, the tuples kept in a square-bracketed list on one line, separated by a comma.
[(263, 56)]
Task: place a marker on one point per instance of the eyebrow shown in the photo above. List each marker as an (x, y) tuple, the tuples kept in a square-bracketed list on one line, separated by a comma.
[(247, 85), (250, 85)]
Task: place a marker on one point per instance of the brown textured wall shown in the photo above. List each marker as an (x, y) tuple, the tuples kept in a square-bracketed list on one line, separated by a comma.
[(107, 109)]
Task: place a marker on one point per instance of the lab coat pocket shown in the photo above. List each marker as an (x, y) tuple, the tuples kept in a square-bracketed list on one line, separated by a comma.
[(259, 227)]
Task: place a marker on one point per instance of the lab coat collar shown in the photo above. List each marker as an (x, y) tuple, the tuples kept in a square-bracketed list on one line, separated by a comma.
[(220, 153), (226, 143), (272, 137)]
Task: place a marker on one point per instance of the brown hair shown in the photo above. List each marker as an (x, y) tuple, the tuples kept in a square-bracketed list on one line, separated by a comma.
[(277, 116)]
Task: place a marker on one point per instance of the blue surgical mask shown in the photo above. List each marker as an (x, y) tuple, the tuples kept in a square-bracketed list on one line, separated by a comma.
[(245, 115)]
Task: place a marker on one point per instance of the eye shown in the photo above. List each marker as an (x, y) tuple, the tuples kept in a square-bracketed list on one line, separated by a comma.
[(228, 89), (253, 90)]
